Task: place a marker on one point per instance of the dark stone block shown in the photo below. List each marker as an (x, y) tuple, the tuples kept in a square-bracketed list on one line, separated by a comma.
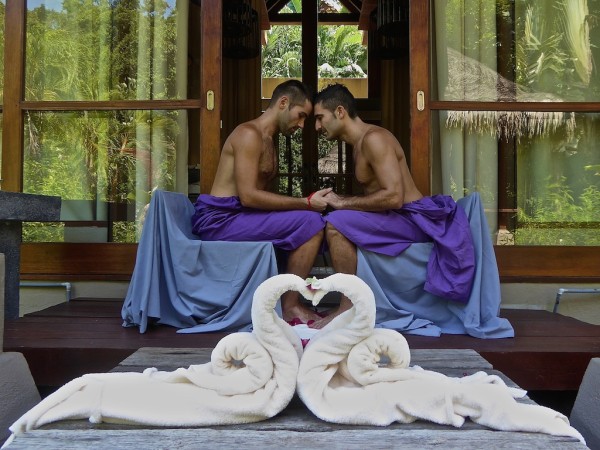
[(16, 206)]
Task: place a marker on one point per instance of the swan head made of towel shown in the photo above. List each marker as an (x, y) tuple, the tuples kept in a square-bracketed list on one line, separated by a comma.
[(355, 324)]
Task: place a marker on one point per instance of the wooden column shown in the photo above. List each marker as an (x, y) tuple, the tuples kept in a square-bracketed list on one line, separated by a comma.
[(310, 77), (14, 76), (210, 81), (419, 74)]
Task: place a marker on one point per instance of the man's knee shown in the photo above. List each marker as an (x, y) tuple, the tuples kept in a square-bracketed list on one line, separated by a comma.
[(331, 231)]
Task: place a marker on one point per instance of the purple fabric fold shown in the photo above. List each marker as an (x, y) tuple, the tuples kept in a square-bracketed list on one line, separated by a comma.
[(226, 219), (451, 266)]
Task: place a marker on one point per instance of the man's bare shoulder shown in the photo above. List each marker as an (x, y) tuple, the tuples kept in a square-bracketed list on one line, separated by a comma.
[(378, 139), (246, 132), (245, 136)]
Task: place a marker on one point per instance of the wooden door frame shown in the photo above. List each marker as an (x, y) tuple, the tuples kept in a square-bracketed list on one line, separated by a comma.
[(420, 120), (211, 64), (515, 263)]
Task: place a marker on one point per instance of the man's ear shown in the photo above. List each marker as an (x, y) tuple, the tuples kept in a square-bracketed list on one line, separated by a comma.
[(340, 112), (283, 102)]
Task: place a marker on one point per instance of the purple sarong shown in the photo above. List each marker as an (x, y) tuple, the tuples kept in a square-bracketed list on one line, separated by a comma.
[(451, 265), (225, 219)]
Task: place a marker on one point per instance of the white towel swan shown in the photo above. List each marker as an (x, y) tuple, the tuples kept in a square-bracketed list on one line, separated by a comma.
[(340, 379), (251, 377)]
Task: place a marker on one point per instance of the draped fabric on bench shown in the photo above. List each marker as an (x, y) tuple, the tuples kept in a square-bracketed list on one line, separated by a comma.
[(201, 286), (403, 304), (187, 283)]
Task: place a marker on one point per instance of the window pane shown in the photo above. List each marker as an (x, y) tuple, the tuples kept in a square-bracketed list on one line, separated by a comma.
[(519, 50), (2, 8), (1, 125), (540, 186), (106, 50), (104, 166), (558, 186)]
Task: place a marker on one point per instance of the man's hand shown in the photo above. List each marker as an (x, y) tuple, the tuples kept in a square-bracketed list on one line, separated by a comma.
[(317, 200), (333, 200)]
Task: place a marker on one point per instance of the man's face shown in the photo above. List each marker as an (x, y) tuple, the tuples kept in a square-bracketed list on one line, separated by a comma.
[(294, 118), (326, 122)]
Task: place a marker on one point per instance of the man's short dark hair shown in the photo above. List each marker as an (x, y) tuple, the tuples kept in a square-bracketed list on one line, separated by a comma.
[(296, 91), (336, 95)]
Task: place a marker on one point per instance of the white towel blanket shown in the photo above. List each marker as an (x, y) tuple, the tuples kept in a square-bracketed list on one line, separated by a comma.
[(251, 377), (342, 378)]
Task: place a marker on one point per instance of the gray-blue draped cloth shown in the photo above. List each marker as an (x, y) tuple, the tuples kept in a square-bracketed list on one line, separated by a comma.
[(202, 286), (404, 305), (182, 281)]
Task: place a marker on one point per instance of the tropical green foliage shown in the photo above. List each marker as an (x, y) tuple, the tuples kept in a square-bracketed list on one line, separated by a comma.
[(554, 59), (98, 50), (559, 218), (340, 50)]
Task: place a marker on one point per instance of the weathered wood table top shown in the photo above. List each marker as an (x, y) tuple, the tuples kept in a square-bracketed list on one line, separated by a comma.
[(295, 427)]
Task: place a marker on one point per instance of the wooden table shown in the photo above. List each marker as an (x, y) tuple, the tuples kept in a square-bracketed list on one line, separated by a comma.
[(295, 427)]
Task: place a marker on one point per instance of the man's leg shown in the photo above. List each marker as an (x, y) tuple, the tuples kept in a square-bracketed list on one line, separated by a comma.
[(344, 259), (299, 262)]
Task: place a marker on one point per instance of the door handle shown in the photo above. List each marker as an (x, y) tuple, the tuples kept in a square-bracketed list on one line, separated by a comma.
[(420, 100), (210, 100)]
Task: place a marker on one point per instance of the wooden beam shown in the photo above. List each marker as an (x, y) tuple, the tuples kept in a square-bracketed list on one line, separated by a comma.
[(519, 263), (323, 19), (365, 13), (263, 15), (311, 78), (276, 6), (353, 6), (77, 261), (111, 105)]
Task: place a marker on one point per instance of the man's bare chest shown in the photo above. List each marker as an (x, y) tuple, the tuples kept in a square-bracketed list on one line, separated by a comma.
[(267, 165), (362, 170)]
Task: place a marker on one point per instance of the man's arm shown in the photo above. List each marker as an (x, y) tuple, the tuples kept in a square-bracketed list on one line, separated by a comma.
[(247, 150), (385, 190)]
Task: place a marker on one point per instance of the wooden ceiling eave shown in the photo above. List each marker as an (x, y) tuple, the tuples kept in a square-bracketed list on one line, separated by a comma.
[(365, 12), (353, 6), (274, 6), (271, 13), (265, 24)]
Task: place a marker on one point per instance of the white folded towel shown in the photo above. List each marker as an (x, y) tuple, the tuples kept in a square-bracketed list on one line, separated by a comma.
[(341, 378), (251, 377), (352, 373)]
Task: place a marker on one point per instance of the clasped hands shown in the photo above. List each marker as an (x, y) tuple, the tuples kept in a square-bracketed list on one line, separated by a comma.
[(320, 200)]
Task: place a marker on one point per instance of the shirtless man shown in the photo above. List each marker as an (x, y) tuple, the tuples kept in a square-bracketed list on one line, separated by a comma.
[(241, 208), (376, 220)]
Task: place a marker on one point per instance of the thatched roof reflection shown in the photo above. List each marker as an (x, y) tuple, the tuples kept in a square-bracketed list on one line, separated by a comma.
[(470, 80), (329, 163)]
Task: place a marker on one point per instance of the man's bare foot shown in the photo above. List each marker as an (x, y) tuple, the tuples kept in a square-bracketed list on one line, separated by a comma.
[(345, 305), (319, 324), (300, 311)]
